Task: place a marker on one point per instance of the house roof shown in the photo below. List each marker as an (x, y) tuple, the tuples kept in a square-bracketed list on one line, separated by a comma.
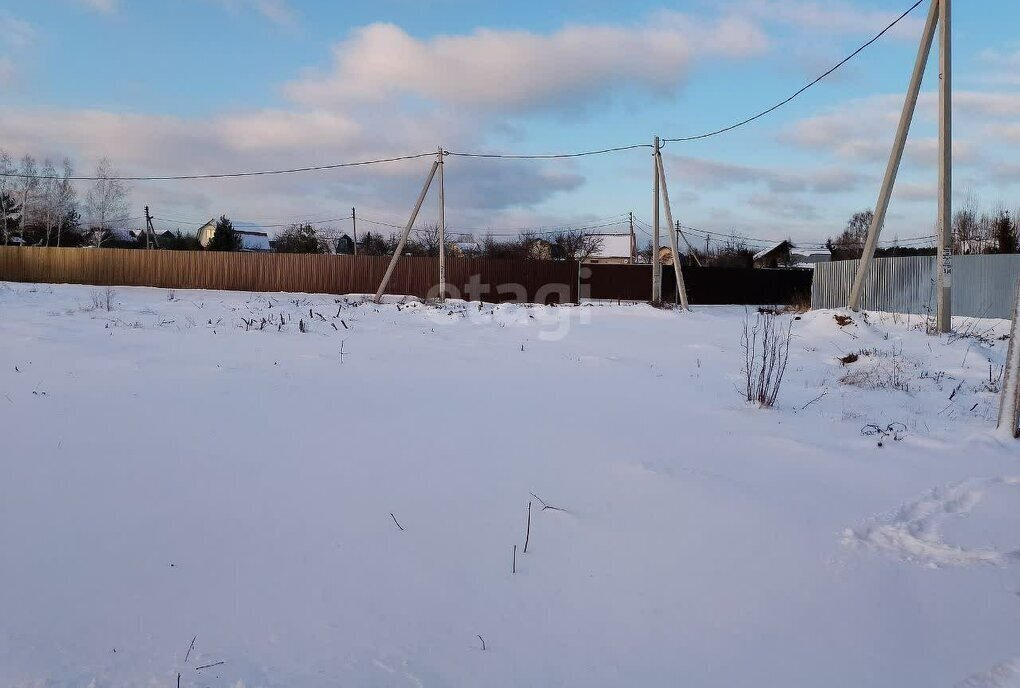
[(811, 251), (765, 251), (253, 241), (613, 246)]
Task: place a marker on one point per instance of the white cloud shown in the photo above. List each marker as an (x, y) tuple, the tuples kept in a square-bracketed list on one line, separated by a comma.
[(15, 33), (279, 12), (710, 174), (832, 17), (522, 70), (103, 6)]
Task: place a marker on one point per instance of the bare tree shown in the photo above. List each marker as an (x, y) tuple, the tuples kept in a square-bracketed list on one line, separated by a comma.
[(577, 244), (6, 188), (49, 210), (105, 202), (27, 184)]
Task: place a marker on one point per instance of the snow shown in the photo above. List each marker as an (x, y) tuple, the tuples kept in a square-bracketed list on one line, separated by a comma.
[(173, 469)]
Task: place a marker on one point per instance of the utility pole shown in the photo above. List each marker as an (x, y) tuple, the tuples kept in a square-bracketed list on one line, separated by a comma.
[(354, 223), (407, 231), (150, 232), (442, 228), (656, 265), (896, 155), (944, 270), (633, 239), (681, 288)]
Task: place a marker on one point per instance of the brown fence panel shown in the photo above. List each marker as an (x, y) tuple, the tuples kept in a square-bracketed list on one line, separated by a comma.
[(705, 285), (624, 282), (469, 278)]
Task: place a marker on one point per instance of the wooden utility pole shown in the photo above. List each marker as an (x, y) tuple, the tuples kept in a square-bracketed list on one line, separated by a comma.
[(896, 155), (407, 231), (354, 224), (944, 279), (656, 265), (442, 228)]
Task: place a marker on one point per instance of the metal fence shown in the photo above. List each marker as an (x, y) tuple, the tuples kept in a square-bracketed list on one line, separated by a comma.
[(982, 285), (469, 278)]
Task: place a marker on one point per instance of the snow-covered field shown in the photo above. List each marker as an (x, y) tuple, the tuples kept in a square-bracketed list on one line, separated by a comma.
[(174, 469)]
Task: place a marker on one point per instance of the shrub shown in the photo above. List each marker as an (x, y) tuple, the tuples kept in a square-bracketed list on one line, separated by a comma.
[(766, 346)]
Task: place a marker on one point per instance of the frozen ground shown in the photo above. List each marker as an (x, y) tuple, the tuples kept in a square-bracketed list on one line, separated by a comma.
[(166, 474)]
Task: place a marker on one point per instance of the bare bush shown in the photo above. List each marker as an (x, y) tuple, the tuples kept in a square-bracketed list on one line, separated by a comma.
[(766, 346), (103, 299)]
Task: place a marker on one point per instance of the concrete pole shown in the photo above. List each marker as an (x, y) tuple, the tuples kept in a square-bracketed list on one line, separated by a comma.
[(892, 169), (442, 229), (681, 288), (944, 272), (407, 231), (633, 239), (656, 265), (354, 223)]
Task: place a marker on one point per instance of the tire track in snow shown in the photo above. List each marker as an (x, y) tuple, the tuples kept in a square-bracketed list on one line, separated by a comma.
[(914, 531)]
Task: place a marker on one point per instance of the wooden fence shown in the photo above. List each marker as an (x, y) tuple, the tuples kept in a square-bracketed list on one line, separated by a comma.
[(535, 281)]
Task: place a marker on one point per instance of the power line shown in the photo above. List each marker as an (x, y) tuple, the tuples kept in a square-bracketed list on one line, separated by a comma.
[(226, 175), (804, 88), (549, 156)]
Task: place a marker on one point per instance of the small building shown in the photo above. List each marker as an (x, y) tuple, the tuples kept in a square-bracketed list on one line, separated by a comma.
[(776, 256), (665, 255), (809, 257), (618, 249), (251, 240), (464, 249), (539, 249), (344, 245)]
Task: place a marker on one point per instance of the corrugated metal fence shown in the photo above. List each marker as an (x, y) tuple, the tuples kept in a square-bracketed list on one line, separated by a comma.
[(469, 278), (983, 285)]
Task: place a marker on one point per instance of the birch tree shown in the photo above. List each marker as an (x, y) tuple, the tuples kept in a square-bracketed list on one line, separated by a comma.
[(49, 210), (105, 202), (27, 185), (6, 188)]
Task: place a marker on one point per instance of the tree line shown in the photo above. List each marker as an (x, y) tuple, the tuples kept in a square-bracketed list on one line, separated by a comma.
[(974, 232)]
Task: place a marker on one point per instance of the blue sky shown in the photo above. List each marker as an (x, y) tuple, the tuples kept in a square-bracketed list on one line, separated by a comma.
[(221, 85)]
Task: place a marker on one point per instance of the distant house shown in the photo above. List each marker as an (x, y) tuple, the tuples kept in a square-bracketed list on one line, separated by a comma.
[(775, 256), (464, 249), (619, 249), (786, 255), (666, 255), (809, 257), (250, 240), (344, 246), (539, 249), (139, 234)]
